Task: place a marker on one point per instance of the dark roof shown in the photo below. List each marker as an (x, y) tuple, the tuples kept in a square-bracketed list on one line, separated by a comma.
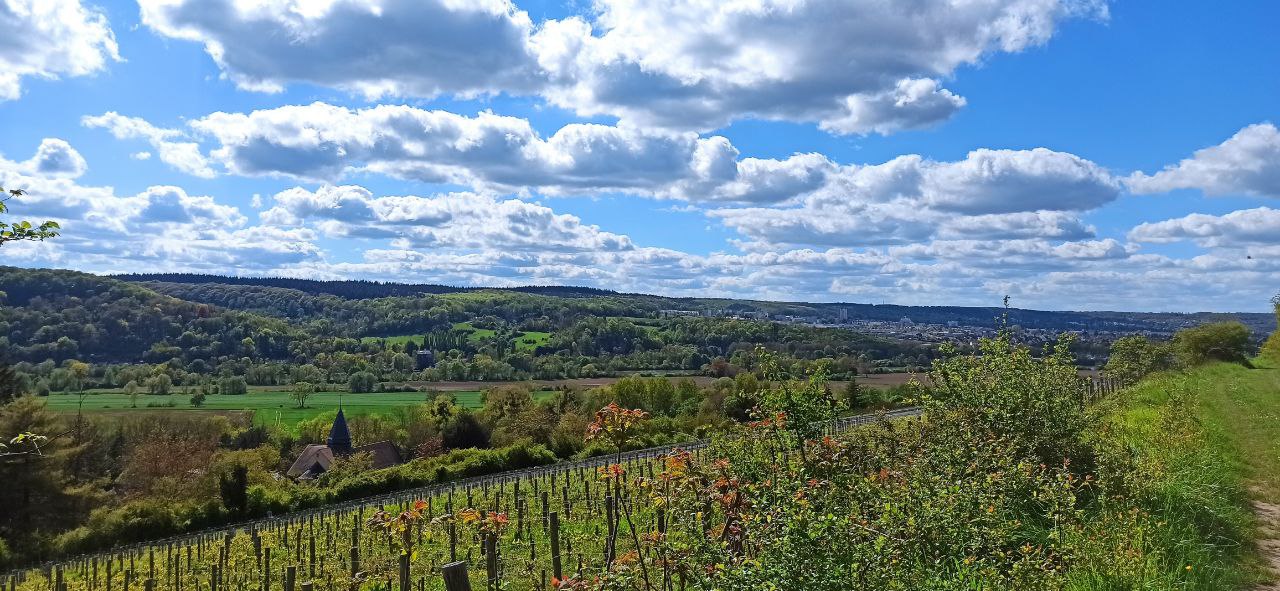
[(339, 435), (384, 454), (311, 458)]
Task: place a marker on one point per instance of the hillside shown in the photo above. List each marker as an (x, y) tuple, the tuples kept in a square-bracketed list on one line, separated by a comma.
[(185, 285), (60, 315)]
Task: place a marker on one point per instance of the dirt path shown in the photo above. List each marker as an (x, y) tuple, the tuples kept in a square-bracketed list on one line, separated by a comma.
[(1269, 540)]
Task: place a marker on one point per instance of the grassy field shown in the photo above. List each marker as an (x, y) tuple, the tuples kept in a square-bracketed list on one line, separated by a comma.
[(268, 407), (527, 342)]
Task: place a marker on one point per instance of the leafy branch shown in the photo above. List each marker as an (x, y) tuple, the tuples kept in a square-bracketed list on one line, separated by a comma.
[(22, 230)]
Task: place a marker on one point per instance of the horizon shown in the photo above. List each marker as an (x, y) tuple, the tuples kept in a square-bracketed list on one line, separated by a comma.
[(1076, 155), (637, 293)]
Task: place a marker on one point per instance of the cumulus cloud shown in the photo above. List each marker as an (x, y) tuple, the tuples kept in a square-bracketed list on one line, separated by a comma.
[(326, 142), (991, 194), (162, 225), (1247, 163), (56, 158), (185, 156), (854, 67), (375, 48), (1244, 227), (49, 39), (455, 220)]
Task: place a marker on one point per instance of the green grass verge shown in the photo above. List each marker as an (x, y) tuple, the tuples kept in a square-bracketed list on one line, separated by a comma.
[(1188, 449)]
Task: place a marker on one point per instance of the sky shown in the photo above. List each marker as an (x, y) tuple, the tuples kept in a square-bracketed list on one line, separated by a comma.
[(1072, 154)]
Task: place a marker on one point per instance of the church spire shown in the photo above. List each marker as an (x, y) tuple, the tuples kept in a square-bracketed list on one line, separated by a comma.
[(339, 440)]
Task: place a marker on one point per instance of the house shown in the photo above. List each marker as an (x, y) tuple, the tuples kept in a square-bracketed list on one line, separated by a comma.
[(316, 459), (425, 359)]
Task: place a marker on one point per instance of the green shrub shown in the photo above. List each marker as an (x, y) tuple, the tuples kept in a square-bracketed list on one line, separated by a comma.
[(1271, 348), (1220, 341), (1134, 357)]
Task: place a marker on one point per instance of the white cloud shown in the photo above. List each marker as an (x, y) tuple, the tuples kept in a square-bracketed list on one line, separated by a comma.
[(1247, 163), (1259, 226), (49, 39), (453, 221), (493, 152), (162, 227), (857, 66), (373, 47), (56, 158), (991, 194), (1006, 181), (854, 66), (184, 156)]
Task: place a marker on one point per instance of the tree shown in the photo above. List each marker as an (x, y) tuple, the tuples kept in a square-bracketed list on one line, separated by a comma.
[(1133, 357), (22, 230), (132, 389), (160, 384), (464, 431), (233, 385), (301, 392), (11, 385), (1219, 341), (234, 490), (1271, 348), (197, 399), (854, 396), (362, 381)]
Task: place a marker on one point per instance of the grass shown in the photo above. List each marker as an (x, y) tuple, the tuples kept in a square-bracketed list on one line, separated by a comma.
[(1199, 445), (268, 407), (394, 340), (526, 342), (1245, 412)]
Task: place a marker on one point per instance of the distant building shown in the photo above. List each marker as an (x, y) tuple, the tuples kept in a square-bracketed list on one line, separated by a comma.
[(425, 359), (316, 459), (907, 321), (844, 314)]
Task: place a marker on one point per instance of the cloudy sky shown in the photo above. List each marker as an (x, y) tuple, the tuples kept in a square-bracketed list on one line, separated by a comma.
[(1074, 154)]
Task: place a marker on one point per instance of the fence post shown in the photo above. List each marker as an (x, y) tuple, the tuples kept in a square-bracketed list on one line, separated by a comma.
[(405, 583), (491, 560), (455, 577), (554, 518)]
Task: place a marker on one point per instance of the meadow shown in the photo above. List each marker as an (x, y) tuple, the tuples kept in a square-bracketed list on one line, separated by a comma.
[(527, 342), (269, 407)]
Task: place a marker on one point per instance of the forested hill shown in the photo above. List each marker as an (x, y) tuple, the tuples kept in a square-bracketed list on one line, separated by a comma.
[(352, 289), (254, 295), (62, 315)]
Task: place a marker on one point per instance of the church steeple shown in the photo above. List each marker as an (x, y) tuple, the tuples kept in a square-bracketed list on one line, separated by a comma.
[(339, 440)]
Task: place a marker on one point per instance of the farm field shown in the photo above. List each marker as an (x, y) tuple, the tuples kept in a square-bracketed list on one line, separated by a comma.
[(272, 405), (268, 407)]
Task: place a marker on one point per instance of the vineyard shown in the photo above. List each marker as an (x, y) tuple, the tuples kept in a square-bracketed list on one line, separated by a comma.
[(516, 530)]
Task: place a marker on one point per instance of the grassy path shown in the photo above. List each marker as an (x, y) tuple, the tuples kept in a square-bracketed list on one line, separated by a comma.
[(1243, 408)]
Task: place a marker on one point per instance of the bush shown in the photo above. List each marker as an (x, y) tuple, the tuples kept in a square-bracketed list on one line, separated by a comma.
[(1271, 348), (1220, 341), (234, 386), (362, 381), (1134, 357)]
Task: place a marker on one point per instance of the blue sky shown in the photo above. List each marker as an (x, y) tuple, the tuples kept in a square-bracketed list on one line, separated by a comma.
[(1074, 154)]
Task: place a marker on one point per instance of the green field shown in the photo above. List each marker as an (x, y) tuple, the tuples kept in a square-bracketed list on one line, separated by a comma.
[(268, 407), (395, 340), (527, 342)]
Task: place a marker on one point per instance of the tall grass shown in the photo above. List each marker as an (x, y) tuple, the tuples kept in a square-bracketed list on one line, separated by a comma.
[(1178, 513)]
